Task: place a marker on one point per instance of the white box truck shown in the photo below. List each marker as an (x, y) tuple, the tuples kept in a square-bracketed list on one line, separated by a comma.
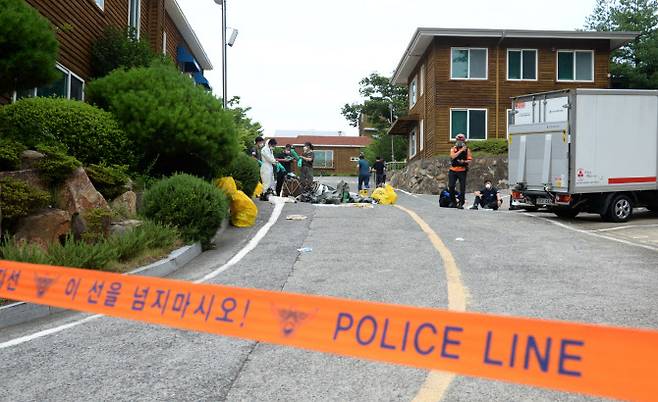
[(585, 150)]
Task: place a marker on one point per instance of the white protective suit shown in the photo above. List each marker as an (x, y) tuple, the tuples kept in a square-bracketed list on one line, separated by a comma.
[(267, 168)]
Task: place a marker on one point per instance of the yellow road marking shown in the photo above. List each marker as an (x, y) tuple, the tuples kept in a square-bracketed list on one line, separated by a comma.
[(437, 382)]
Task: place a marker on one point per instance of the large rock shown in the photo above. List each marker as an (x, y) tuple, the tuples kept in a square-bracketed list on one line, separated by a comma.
[(44, 227), (78, 194), (126, 204), (119, 228), (30, 159), (30, 176)]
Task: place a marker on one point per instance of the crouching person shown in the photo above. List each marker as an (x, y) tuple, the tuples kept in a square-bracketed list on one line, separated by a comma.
[(488, 197)]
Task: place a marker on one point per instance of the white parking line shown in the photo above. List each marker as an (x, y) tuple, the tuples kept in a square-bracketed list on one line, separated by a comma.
[(591, 233), (239, 256), (624, 227)]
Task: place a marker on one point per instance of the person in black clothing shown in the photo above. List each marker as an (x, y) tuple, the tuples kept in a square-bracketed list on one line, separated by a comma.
[(285, 158), (380, 171), (488, 197)]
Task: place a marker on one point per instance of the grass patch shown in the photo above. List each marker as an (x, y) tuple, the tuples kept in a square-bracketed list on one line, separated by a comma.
[(119, 253)]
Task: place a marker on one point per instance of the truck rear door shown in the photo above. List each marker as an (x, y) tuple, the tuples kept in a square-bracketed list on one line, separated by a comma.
[(539, 143)]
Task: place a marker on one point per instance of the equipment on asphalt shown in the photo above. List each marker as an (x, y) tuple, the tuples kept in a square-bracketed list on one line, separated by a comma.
[(585, 150), (444, 198)]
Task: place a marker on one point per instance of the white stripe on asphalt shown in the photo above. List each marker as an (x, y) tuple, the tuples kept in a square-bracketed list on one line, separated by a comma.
[(278, 207), (407, 193), (624, 227), (590, 233)]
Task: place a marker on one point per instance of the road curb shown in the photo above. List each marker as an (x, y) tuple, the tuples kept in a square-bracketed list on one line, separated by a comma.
[(21, 312)]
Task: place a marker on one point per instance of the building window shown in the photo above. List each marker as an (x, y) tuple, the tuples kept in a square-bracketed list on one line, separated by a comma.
[(134, 6), (67, 85), (413, 91), (469, 64), (521, 64), (412, 143), (421, 130), (422, 80), (575, 65), (324, 159), (470, 122), (100, 4)]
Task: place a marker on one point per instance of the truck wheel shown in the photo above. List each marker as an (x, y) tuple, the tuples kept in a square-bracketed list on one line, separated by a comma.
[(621, 209), (566, 213)]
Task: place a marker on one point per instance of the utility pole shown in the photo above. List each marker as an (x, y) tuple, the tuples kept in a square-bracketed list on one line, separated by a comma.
[(390, 109), (224, 64)]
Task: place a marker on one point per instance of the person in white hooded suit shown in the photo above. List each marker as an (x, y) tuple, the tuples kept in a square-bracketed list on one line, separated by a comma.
[(267, 169)]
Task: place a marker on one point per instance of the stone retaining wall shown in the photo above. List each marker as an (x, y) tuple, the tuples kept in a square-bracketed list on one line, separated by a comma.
[(430, 176)]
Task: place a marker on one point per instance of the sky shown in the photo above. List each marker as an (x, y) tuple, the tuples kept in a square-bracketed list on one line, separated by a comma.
[(297, 62)]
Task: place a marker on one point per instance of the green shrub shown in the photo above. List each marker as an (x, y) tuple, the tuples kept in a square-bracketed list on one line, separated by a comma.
[(71, 253), (28, 47), (193, 205), (18, 198), (119, 48), (12, 250), (90, 134), (489, 147), (175, 125), (245, 170), (10, 154), (108, 180), (57, 166), (100, 255), (148, 235), (98, 222)]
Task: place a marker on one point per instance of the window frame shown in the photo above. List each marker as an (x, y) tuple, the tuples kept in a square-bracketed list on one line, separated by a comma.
[(468, 123), (422, 79), (421, 133), (325, 151), (139, 16), (486, 64), (100, 4), (69, 74), (412, 134), (573, 52), (413, 99), (164, 42), (521, 66)]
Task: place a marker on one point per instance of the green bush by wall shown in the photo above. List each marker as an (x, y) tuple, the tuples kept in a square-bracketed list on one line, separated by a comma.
[(193, 205), (91, 135), (176, 125), (245, 170)]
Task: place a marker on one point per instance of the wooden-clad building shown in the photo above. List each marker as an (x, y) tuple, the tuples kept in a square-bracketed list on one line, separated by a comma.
[(461, 80), (79, 23)]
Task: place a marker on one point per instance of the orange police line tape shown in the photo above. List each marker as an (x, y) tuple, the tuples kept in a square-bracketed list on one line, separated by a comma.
[(604, 361)]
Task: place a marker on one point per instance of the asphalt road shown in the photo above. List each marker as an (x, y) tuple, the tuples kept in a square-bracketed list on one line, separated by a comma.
[(510, 262)]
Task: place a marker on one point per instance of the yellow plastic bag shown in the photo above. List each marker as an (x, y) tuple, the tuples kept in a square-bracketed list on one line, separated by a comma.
[(258, 190), (363, 193), (385, 196), (243, 210), (227, 184)]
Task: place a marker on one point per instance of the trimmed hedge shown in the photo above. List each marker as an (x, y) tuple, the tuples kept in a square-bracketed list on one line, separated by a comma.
[(193, 205), (245, 171), (18, 198), (489, 147), (57, 166), (119, 48), (91, 135), (28, 46), (175, 125), (10, 154), (108, 180)]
